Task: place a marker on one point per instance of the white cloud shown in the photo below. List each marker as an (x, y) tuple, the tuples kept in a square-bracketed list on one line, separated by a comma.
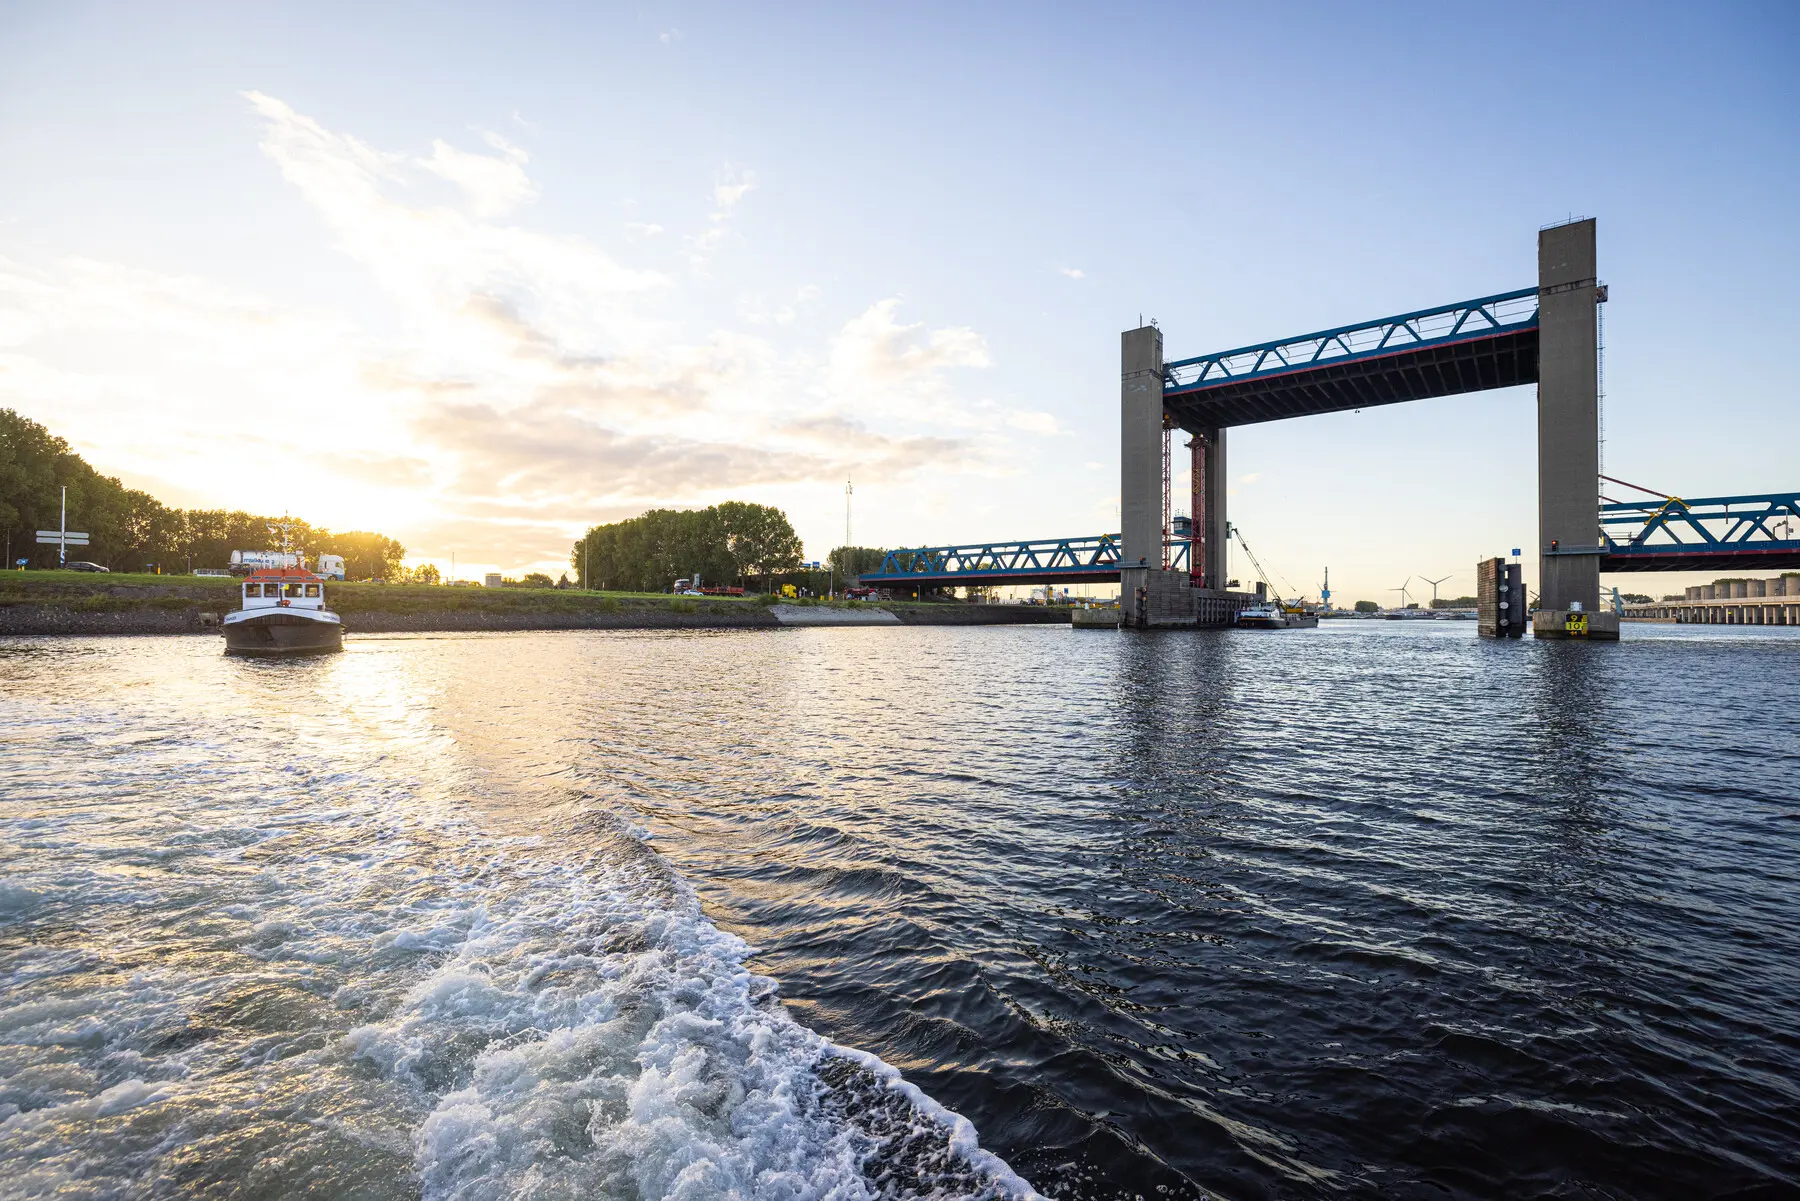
[(876, 350), (435, 260), (519, 383), (1033, 423), (1072, 272), (495, 186), (729, 189)]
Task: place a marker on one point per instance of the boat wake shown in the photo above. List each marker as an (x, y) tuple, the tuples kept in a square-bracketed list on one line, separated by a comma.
[(226, 974)]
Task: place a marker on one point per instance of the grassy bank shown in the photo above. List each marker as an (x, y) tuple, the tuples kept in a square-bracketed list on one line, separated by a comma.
[(79, 602), (121, 591)]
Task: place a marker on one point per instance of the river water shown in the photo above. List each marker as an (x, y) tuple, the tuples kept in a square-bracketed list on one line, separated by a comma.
[(1377, 909)]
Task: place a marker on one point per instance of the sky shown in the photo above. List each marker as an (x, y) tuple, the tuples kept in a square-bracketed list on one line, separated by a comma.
[(479, 276)]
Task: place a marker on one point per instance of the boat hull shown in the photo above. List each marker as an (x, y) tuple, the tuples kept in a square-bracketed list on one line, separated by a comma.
[(1280, 621), (283, 634)]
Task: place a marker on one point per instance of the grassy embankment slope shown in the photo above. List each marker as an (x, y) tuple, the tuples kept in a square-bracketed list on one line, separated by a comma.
[(127, 593), (77, 602)]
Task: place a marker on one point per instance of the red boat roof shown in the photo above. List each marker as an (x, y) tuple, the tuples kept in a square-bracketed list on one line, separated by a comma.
[(282, 573)]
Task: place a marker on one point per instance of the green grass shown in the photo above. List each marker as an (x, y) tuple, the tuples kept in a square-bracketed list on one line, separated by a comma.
[(45, 578), (125, 591)]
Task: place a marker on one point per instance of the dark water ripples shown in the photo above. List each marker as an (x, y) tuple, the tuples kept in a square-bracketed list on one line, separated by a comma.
[(1373, 910)]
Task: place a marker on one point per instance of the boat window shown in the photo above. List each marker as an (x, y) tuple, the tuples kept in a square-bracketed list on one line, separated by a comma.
[(293, 590), (252, 590), (312, 590)]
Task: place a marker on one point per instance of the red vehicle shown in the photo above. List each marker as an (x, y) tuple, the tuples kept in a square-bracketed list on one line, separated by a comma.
[(722, 590)]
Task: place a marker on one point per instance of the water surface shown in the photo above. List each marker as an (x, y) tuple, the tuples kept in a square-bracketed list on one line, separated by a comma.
[(1376, 909)]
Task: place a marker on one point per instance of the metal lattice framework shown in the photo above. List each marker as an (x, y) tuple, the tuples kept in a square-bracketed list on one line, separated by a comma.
[(1447, 323), (1044, 561), (1714, 532), (1489, 342)]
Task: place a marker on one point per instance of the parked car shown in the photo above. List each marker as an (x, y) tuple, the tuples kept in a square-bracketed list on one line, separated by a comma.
[(83, 565)]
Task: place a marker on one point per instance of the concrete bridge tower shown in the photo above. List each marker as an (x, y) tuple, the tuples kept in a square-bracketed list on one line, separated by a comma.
[(1568, 419), (1140, 462)]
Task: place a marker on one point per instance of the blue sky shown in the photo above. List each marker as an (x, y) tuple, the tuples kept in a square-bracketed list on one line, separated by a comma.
[(478, 275)]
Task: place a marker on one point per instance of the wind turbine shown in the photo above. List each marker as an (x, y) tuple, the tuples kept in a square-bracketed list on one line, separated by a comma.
[(1434, 585), (1402, 591)]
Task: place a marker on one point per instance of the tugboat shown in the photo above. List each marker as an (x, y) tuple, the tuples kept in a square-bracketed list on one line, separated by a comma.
[(284, 613)]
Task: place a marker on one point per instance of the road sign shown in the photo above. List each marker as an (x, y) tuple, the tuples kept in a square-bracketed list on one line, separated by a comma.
[(55, 539)]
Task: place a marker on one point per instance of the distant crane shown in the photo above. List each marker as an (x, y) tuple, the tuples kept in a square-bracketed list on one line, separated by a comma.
[(1268, 583), (1434, 587)]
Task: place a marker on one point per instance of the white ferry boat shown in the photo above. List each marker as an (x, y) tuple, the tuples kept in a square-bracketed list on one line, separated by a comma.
[(284, 613)]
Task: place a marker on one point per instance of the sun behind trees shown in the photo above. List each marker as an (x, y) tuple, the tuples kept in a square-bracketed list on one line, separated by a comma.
[(732, 541), (132, 530)]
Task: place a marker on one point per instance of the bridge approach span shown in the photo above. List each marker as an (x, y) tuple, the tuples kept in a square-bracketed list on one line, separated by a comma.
[(1714, 533), (1088, 560)]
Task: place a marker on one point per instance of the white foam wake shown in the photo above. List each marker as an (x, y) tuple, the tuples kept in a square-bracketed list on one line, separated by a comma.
[(580, 1042), (223, 971)]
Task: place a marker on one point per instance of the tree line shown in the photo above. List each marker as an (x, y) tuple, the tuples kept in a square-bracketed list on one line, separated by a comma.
[(130, 530), (733, 542), (730, 542)]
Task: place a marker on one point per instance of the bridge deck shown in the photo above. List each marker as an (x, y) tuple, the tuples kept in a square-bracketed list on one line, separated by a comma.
[(1491, 342), (1754, 559), (1712, 533)]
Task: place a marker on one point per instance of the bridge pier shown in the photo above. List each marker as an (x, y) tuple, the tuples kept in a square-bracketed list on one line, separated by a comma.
[(1209, 514)]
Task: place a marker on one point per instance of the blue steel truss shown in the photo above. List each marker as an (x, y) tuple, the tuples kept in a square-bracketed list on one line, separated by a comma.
[(1442, 326), (1740, 527), (1059, 560), (1668, 534)]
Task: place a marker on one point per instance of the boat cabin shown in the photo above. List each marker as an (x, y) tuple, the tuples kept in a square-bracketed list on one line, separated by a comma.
[(284, 588)]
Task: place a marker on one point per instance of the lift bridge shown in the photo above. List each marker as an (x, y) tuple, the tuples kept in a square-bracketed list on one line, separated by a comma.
[(1545, 335), (1714, 533)]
